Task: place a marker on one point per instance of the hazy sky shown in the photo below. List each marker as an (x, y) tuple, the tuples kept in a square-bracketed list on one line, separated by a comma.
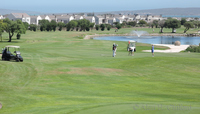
[(65, 6)]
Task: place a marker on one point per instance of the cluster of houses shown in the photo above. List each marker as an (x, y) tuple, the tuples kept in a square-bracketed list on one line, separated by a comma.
[(97, 19)]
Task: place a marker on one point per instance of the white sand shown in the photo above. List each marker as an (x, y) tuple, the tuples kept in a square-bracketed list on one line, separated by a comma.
[(173, 48)]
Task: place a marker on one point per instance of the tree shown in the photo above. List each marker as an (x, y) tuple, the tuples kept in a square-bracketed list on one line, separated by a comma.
[(155, 22), (115, 23), (187, 26), (172, 23), (83, 23), (118, 26), (87, 28), (102, 26), (183, 20), (142, 22), (53, 25), (162, 25), (92, 25), (10, 28), (60, 26), (169, 18), (26, 25), (71, 25), (77, 27), (33, 27), (132, 23), (49, 26), (75, 24), (2, 27), (20, 28), (1, 31), (68, 26), (43, 25), (108, 27), (97, 27), (124, 23), (196, 23), (151, 24)]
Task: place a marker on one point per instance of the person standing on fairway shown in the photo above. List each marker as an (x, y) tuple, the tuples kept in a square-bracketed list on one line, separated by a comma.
[(114, 50), (152, 50)]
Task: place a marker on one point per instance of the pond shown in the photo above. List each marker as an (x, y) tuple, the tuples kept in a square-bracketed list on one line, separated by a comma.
[(154, 39)]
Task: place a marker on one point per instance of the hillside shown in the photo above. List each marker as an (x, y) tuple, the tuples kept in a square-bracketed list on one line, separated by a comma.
[(164, 11), (8, 11)]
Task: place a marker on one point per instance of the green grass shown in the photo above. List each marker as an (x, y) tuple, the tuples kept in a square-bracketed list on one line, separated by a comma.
[(63, 73)]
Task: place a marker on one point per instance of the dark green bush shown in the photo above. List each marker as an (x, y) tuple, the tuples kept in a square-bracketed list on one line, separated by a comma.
[(193, 49)]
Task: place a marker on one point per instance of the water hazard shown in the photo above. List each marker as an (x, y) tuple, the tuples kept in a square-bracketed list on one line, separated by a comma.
[(155, 39)]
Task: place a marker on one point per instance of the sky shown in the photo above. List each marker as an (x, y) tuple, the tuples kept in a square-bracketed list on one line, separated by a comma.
[(70, 6)]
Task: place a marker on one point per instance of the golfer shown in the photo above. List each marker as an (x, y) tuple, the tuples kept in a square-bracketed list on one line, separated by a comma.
[(152, 50), (114, 48), (131, 52)]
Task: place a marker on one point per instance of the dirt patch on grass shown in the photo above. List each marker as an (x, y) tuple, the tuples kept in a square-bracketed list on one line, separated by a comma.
[(88, 71), (74, 41), (0, 105)]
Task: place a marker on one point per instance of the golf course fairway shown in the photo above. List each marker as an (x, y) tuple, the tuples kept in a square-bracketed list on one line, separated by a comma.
[(63, 73)]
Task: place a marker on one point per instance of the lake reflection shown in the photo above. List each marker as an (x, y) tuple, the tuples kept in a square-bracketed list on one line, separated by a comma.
[(155, 39)]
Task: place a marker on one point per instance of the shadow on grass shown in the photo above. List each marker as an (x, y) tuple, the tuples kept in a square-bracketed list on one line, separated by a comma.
[(8, 61)]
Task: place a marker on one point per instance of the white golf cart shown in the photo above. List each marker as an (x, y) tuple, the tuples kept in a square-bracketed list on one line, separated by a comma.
[(7, 55), (131, 45)]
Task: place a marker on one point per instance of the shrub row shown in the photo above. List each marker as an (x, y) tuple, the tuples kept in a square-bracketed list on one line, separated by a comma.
[(193, 48)]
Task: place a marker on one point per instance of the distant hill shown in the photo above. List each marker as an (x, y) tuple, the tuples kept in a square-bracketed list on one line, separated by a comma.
[(163, 11), (7, 11)]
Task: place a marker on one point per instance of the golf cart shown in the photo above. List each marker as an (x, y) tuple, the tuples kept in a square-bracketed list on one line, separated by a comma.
[(7, 55), (131, 45)]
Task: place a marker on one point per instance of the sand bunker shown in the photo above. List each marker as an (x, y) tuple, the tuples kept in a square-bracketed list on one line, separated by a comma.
[(173, 48)]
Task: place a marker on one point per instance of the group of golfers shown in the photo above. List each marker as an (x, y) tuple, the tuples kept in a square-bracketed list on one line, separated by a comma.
[(131, 51)]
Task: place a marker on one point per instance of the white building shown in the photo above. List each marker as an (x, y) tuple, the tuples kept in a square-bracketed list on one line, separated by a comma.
[(1, 17), (52, 17), (35, 19), (137, 17), (111, 20), (21, 16), (157, 17), (130, 18), (78, 17), (99, 20), (90, 18), (120, 20), (46, 17), (65, 18)]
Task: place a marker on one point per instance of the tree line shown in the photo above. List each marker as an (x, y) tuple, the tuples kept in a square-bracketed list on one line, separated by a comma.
[(169, 23), (175, 24), (19, 27), (74, 25)]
